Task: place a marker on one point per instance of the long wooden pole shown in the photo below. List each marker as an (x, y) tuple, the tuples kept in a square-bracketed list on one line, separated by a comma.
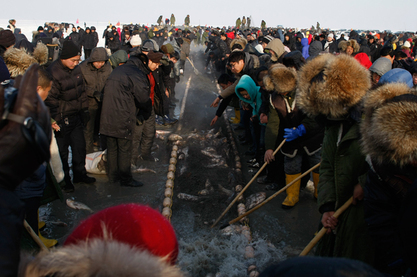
[(271, 197), (323, 230), (245, 188), (34, 236)]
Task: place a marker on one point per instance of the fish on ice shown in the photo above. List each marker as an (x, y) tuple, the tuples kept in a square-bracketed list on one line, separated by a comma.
[(174, 137), (143, 170), (188, 197), (255, 199), (77, 205), (211, 155)]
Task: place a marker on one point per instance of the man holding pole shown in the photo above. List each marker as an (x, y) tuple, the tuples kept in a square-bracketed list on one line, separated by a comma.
[(304, 136)]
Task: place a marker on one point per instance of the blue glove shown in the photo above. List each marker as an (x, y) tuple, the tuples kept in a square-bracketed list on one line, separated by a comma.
[(292, 134)]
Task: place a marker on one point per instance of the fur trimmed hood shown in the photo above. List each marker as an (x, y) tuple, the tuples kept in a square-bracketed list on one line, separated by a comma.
[(331, 85), (19, 60), (280, 79), (389, 130), (241, 41), (99, 258)]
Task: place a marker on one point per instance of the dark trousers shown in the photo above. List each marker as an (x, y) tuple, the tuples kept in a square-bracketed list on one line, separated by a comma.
[(31, 211), (72, 134), (87, 53), (12, 215), (143, 137), (119, 154), (90, 126), (245, 122), (275, 169)]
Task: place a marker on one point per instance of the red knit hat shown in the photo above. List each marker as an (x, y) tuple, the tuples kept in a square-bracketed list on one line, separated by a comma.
[(363, 59), (134, 224)]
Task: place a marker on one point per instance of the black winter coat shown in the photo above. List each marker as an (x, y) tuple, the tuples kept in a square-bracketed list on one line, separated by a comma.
[(126, 94), (290, 117), (76, 38), (114, 44), (67, 96), (94, 78), (389, 194), (89, 40)]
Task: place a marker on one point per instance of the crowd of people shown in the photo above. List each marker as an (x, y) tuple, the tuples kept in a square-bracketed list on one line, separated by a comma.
[(348, 104), (344, 103)]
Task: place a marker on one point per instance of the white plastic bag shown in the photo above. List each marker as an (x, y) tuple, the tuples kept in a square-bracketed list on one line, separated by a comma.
[(95, 162)]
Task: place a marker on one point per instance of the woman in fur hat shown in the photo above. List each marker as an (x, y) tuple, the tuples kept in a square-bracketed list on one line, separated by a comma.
[(389, 139), (331, 88), (304, 136)]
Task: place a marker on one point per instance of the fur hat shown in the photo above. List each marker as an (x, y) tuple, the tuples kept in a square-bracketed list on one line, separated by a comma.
[(343, 45), (19, 60), (280, 79), (99, 257), (137, 225), (389, 130), (331, 85), (242, 41)]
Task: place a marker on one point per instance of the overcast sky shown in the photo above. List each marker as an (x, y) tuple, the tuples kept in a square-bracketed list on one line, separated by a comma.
[(333, 14)]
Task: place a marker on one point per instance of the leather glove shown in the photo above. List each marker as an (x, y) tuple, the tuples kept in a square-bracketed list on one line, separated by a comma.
[(292, 134)]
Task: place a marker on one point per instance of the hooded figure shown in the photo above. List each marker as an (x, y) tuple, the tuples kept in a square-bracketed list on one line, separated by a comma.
[(389, 139), (306, 47), (118, 58), (247, 84), (397, 75), (278, 51), (95, 71), (330, 88), (316, 47)]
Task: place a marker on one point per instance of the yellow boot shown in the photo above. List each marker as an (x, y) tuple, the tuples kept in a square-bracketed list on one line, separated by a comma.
[(48, 242), (293, 192), (316, 182), (236, 119)]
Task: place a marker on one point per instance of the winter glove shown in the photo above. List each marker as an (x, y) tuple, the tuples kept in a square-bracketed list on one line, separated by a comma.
[(177, 79), (292, 134)]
